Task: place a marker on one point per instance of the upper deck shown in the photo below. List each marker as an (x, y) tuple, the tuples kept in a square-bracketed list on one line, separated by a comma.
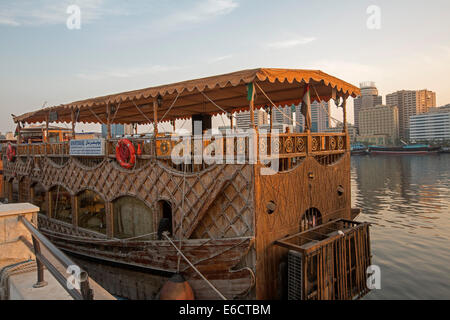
[(200, 99)]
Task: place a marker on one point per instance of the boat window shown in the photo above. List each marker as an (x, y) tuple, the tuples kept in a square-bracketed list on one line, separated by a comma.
[(133, 218), (40, 198), (165, 219), (61, 204), (15, 191), (311, 218), (91, 212)]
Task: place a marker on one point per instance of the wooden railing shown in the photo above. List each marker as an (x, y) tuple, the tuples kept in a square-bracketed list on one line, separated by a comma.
[(44, 149), (237, 147)]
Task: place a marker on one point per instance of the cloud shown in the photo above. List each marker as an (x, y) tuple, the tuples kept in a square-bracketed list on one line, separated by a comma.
[(219, 59), (126, 73), (290, 43), (51, 12), (8, 21), (202, 11)]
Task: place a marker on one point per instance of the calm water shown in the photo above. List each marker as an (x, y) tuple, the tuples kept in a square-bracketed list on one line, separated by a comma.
[(407, 199)]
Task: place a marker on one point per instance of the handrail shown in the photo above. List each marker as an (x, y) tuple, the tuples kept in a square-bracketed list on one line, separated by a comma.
[(289, 145), (85, 292)]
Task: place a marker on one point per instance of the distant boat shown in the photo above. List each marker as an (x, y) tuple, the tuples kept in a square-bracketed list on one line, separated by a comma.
[(359, 149), (406, 149)]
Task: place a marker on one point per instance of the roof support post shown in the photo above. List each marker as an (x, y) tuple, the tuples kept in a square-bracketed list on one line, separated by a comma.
[(155, 116), (251, 98), (306, 110), (108, 120), (74, 120), (344, 108), (19, 133), (347, 136), (47, 117), (271, 119), (155, 123)]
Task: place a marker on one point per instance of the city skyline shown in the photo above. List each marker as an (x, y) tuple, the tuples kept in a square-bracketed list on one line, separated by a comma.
[(123, 46)]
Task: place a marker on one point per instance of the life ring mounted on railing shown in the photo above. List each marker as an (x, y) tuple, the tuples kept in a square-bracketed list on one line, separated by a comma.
[(11, 152), (126, 153)]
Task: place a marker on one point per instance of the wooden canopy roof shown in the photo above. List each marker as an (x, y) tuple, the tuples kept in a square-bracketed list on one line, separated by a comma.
[(228, 91)]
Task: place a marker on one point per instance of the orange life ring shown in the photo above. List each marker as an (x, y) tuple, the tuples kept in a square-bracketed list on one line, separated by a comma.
[(126, 153), (10, 152)]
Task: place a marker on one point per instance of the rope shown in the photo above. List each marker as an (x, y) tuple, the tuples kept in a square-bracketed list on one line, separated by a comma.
[(195, 269), (115, 113), (183, 214), (217, 106), (140, 111), (95, 115), (113, 240), (12, 270), (285, 115), (320, 102), (173, 103), (139, 237)]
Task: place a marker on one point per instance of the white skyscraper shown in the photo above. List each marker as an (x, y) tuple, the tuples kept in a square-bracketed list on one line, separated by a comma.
[(320, 117), (282, 115), (243, 119)]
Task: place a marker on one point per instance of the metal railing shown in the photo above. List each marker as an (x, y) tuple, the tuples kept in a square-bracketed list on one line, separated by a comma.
[(84, 293)]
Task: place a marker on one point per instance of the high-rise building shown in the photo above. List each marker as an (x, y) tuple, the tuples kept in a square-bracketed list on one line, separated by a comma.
[(243, 119), (339, 128), (377, 121), (410, 103), (431, 126), (282, 115), (320, 117), (117, 130), (299, 119), (369, 98)]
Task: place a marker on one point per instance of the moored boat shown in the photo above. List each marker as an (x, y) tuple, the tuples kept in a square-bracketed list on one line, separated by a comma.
[(359, 149), (416, 149), (237, 214)]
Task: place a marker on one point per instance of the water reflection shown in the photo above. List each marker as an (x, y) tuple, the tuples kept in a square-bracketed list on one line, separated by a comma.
[(407, 199)]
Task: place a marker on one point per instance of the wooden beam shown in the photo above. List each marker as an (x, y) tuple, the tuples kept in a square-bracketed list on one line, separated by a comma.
[(155, 116), (46, 127), (108, 120), (74, 120), (344, 107)]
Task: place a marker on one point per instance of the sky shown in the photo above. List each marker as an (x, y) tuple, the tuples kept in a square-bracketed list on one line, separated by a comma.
[(127, 45)]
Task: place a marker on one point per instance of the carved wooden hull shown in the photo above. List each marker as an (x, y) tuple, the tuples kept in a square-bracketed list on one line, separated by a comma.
[(215, 259)]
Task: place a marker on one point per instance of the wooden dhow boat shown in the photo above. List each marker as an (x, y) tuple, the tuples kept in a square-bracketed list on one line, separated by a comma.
[(136, 210)]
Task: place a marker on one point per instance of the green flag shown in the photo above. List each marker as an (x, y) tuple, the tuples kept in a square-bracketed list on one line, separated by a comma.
[(250, 89)]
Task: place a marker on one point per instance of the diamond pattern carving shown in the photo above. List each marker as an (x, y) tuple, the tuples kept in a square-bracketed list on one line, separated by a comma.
[(216, 204)]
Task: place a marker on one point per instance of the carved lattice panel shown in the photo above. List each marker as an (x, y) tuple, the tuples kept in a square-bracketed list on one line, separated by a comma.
[(156, 182)]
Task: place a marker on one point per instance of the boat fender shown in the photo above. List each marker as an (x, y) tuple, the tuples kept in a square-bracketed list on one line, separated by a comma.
[(125, 154), (176, 288)]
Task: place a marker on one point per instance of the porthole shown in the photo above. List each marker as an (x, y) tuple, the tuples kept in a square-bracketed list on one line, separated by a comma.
[(271, 207)]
